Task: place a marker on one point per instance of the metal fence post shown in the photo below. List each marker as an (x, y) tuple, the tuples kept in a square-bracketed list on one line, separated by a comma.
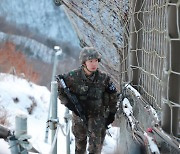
[(53, 126), (21, 129), (57, 54), (21, 125), (13, 143), (68, 134)]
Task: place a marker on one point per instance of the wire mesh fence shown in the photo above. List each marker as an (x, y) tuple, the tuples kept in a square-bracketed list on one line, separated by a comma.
[(152, 53)]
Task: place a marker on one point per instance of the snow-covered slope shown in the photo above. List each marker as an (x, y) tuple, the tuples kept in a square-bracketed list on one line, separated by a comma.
[(17, 95)]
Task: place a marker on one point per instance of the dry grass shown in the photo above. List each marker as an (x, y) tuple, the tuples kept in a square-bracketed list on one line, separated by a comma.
[(13, 61), (4, 117), (32, 106)]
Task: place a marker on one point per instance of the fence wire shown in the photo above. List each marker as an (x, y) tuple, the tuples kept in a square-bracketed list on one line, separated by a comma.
[(151, 61)]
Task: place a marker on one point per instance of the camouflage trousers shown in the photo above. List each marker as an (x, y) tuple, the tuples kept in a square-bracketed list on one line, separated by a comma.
[(94, 134)]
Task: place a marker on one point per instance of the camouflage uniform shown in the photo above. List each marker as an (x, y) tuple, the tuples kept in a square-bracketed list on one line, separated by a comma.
[(96, 98)]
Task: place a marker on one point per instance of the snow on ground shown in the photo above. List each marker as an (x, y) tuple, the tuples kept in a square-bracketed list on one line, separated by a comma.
[(137, 94), (17, 96)]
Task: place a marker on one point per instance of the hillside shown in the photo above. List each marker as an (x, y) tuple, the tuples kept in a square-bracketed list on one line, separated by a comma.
[(35, 28)]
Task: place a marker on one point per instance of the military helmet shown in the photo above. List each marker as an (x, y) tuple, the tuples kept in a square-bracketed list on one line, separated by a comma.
[(88, 53)]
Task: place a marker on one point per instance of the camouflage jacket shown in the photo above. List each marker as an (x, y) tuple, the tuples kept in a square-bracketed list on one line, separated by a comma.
[(92, 92)]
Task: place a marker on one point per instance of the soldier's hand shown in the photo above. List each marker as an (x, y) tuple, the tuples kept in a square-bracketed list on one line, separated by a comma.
[(109, 119)]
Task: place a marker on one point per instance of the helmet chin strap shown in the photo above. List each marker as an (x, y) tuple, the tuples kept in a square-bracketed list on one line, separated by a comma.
[(88, 69)]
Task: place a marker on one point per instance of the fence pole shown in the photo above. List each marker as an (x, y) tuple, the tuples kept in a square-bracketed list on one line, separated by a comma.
[(53, 125), (57, 54), (13, 143), (68, 133), (21, 129), (47, 125)]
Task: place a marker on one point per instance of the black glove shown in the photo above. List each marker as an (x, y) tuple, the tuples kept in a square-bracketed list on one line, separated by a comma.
[(109, 119)]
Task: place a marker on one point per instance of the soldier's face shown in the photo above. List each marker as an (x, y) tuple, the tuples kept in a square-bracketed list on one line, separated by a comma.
[(92, 64)]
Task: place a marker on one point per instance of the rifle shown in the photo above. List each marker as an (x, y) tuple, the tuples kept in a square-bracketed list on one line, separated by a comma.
[(72, 98)]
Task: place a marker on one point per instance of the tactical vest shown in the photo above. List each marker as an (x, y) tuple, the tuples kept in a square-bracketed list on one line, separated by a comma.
[(89, 93)]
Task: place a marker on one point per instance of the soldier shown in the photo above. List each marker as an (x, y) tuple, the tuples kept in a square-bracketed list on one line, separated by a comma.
[(97, 95)]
